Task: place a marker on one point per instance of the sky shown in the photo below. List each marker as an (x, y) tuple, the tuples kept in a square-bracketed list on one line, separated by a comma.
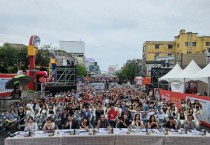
[(113, 30)]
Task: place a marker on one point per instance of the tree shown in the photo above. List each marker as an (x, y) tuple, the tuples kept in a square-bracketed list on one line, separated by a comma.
[(129, 71), (81, 71)]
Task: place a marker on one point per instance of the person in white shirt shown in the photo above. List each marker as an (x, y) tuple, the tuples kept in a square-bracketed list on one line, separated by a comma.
[(49, 125), (137, 122), (42, 110), (150, 113), (31, 125)]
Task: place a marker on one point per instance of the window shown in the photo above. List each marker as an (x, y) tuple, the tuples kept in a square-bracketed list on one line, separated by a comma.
[(169, 54), (170, 46), (156, 46), (193, 43), (186, 43), (177, 45), (207, 43), (156, 54)]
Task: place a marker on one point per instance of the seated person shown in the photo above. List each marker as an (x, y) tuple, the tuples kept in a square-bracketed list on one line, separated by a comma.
[(152, 123), (171, 123), (137, 122), (70, 123), (124, 122), (190, 123), (102, 122), (84, 124), (49, 125), (31, 125)]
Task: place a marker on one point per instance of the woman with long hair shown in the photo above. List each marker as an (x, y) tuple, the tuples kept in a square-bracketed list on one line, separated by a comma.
[(137, 121), (84, 124), (152, 124)]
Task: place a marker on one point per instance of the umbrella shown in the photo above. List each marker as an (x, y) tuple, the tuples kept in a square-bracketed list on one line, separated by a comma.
[(21, 79)]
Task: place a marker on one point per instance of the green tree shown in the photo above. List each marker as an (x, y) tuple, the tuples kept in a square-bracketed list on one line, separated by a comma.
[(80, 71), (43, 56), (129, 71)]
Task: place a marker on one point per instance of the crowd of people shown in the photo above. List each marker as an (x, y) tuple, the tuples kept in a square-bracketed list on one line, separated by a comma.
[(116, 107)]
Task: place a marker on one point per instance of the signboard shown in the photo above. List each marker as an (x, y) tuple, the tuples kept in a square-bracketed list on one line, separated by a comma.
[(3, 80)]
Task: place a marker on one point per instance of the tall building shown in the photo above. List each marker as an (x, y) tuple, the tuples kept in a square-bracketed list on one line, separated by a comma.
[(184, 43), (76, 49)]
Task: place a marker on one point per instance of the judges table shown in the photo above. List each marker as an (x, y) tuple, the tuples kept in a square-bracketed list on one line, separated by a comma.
[(102, 137)]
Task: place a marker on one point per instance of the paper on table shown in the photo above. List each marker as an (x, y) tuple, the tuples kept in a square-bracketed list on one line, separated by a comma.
[(102, 130), (195, 132)]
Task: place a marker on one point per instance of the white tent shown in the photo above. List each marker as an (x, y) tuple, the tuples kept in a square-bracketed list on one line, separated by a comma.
[(176, 78), (202, 75), (192, 68), (167, 77)]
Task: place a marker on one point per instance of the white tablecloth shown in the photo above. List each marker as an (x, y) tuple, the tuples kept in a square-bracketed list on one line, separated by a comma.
[(103, 138), (187, 140)]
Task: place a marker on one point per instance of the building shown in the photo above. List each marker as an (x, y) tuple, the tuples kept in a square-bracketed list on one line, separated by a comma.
[(76, 49), (92, 66), (186, 43), (16, 45), (63, 58), (113, 69)]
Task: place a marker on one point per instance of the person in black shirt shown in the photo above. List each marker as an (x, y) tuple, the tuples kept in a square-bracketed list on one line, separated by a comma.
[(51, 111), (171, 123), (99, 112), (152, 124), (21, 114), (70, 109), (124, 122), (102, 122)]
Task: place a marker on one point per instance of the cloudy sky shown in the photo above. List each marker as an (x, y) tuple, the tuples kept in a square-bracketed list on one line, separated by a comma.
[(113, 30)]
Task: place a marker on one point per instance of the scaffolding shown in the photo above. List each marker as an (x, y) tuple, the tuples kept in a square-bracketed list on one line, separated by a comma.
[(66, 76)]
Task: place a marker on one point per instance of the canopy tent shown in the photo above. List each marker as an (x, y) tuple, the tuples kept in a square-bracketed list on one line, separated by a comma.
[(167, 77), (177, 78), (202, 75), (192, 68)]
